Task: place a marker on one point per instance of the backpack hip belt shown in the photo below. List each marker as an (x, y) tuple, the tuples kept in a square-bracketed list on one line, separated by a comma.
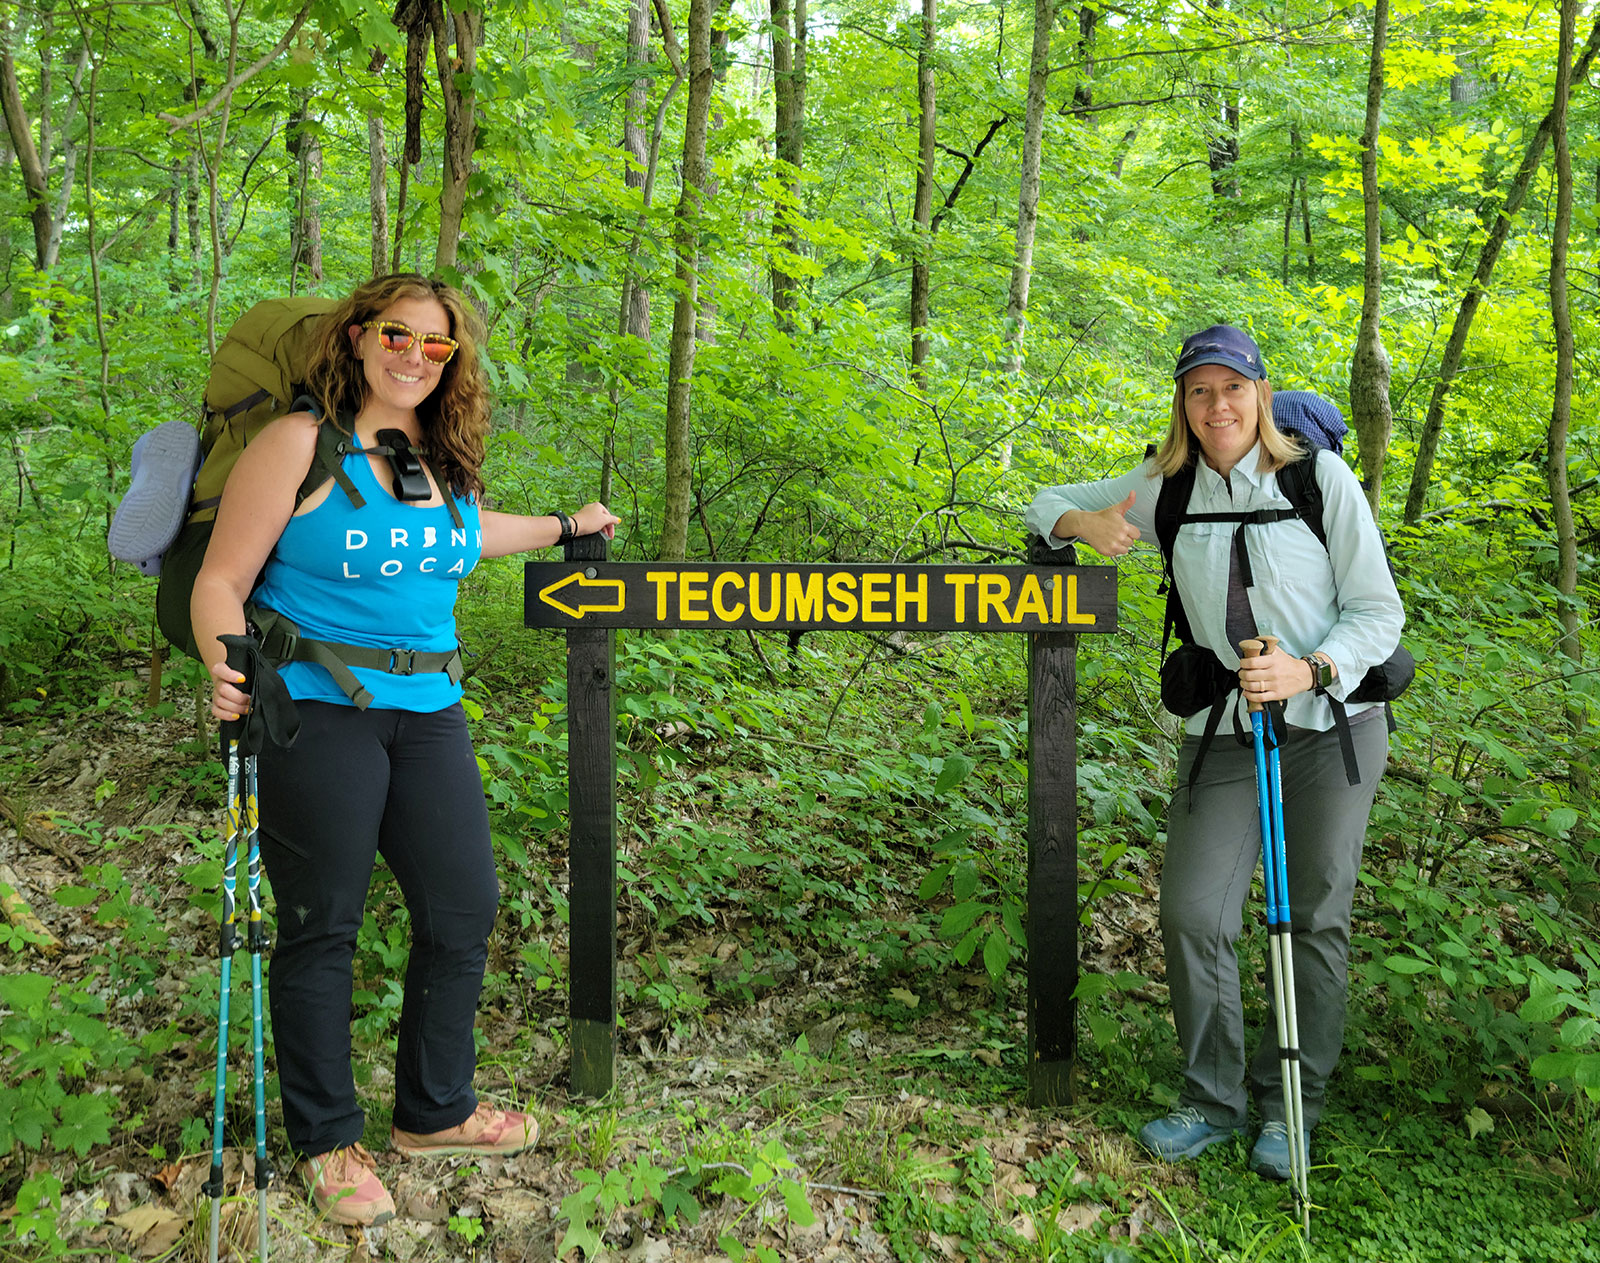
[(282, 642)]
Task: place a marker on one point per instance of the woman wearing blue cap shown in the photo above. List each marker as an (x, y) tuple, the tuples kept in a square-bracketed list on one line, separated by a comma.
[(1336, 613)]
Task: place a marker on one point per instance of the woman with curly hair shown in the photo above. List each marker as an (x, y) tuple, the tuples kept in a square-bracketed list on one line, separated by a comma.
[(383, 765)]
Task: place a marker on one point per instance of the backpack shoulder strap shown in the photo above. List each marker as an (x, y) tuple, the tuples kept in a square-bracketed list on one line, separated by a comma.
[(1298, 482), (333, 445), (1170, 505)]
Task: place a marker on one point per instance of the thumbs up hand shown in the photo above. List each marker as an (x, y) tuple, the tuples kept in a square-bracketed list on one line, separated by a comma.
[(1106, 531)]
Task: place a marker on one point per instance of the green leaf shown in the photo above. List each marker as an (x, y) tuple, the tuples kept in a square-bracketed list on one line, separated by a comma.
[(794, 1198), (85, 1122), (1520, 812), (996, 953), (75, 896), (958, 920), (1478, 1122), (1544, 1006), (1011, 918), (1560, 821), (679, 1201), (1104, 1030), (579, 1237), (1555, 1065), (934, 881), (24, 991), (955, 769), (1407, 964)]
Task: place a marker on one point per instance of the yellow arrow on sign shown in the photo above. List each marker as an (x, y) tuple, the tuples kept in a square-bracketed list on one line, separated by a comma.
[(583, 581)]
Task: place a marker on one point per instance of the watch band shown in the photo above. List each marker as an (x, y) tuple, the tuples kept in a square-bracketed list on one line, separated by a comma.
[(569, 528), (1321, 671)]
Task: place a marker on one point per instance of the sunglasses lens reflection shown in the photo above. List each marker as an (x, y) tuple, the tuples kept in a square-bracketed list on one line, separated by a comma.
[(436, 350), (394, 338)]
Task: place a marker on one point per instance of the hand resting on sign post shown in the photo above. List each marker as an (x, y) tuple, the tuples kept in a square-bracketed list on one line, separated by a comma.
[(1107, 531)]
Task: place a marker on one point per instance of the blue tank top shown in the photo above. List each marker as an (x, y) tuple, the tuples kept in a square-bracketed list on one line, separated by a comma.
[(384, 575)]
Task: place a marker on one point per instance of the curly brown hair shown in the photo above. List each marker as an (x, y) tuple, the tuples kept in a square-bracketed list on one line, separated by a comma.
[(454, 417)]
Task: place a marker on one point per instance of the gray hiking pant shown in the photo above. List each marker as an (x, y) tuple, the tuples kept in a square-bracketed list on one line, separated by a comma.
[(1213, 851)]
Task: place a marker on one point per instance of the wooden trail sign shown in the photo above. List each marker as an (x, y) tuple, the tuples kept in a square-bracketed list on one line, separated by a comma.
[(589, 598)]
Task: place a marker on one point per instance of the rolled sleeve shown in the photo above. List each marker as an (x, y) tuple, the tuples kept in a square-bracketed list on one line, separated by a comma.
[(1370, 615), (1090, 497)]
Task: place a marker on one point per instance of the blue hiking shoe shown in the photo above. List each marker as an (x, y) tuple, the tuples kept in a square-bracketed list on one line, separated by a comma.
[(1184, 1133), (1270, 1157)]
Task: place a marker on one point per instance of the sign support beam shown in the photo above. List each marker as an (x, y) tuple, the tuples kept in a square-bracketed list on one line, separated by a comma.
[(1052, 866), (592, 849), (589, 598)]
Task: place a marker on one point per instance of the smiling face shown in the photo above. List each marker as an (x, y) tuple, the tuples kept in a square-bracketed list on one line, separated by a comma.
[(1222, 408), (397, 383)]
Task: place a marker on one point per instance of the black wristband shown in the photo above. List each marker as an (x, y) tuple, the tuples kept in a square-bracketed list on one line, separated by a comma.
[(569, 527)]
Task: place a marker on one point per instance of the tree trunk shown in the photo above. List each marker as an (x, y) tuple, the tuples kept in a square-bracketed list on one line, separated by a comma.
[(1561, 322), (460, 121), (1428, 444), (301, 142), (378, 193), (1222, 139), (1028, 189), (1083, 90), (192, 223), (1305, 217), (788, 143), (633, 313), (35, 177), (922, 212), (1288, 223), (705, 323), (636, 299), (412, 17), (678, 497), (1369, 367), (1580, 744)]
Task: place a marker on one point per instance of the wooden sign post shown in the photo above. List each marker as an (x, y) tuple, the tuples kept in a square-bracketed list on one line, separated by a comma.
[(589, 598)]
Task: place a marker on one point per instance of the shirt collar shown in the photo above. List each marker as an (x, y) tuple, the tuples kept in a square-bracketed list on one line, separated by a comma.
[(1249, 466)]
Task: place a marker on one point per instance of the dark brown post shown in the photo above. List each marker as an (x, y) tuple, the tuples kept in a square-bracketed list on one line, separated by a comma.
[(1052, 863), (592, 846)]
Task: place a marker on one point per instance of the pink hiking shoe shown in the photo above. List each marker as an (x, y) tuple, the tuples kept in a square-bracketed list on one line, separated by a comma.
[(488, 1131), (345, 1186)]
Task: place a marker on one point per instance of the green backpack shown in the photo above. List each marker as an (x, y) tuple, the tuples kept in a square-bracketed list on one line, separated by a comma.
[(257, 374)]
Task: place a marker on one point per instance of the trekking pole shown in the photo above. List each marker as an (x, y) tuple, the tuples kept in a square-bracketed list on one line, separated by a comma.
[(243, 829), (1280, 945), (258, 945)]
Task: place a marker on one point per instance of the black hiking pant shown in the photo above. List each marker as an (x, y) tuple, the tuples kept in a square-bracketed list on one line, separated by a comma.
[(356, 785)]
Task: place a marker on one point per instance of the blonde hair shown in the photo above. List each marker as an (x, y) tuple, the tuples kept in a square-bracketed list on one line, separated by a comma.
[(454, 417), (1179, 450)]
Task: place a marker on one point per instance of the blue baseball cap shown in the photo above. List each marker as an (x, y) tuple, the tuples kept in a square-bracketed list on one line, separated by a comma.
[(1225, 345)]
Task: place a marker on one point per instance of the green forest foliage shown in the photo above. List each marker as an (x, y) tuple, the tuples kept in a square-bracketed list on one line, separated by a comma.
[(1478, 958)]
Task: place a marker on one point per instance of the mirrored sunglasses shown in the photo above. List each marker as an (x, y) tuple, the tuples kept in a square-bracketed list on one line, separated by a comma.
[(397, 338)]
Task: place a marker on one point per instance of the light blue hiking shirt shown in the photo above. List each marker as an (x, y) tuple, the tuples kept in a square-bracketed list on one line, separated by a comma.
[(384, 576), (1340, 599)]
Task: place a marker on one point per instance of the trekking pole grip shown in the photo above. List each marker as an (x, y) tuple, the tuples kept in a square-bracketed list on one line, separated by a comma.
[(1254, 648), (240, 659)]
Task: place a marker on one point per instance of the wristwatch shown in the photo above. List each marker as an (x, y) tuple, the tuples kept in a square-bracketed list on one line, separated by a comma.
[(569, 528), (1322, 673)]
